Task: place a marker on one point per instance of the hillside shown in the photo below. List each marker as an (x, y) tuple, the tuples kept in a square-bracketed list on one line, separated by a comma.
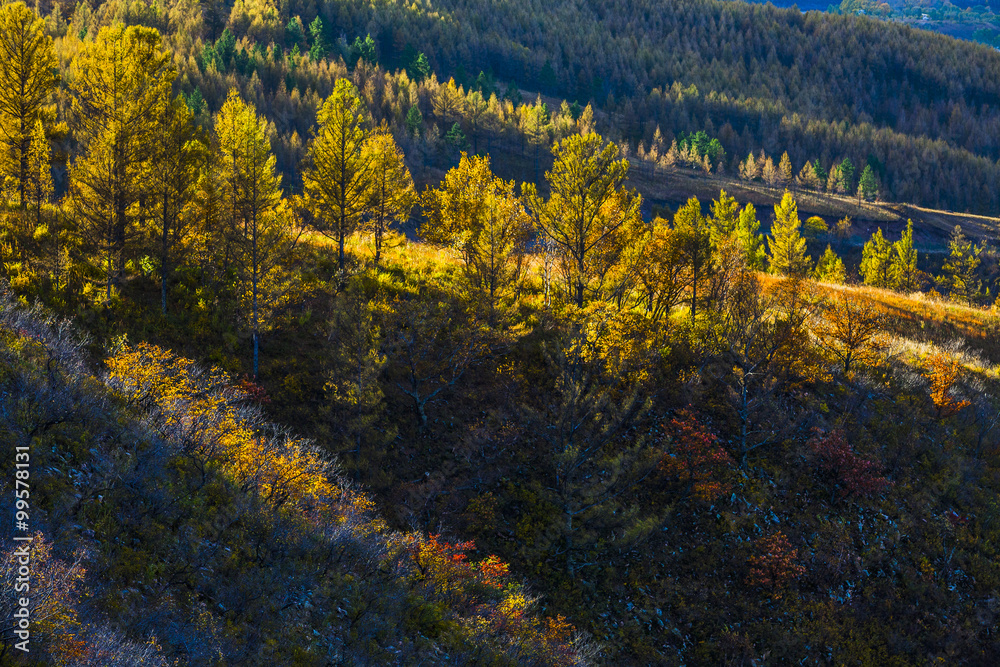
[(918, 106), (497, 333), (171, 522)]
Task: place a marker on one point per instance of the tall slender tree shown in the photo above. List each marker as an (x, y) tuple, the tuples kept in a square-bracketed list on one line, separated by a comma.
[(121, 84), (786, 247), (693, 231), (589, 214), (906, 277), (258, 220), (27, 76), (337, 179), (749, 240), (725, 216), (392, 195), (182, 153), (38, 187)]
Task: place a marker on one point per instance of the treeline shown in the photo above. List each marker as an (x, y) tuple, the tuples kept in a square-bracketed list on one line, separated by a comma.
[(150, 193), (815, 85), (914, 106)]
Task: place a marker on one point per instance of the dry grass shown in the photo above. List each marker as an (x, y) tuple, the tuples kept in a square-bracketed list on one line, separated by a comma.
[(920, 326)]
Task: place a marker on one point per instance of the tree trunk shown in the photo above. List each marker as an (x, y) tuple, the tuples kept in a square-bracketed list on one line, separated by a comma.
[(163, 261)]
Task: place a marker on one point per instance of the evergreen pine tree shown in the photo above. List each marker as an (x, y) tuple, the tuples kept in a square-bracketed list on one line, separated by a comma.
[(904, 273), (414, 120), (845, 172), (876, 261), (786, 246), (821, 174), (867, 185), (961, 269), (419, 69), (830, 268), (749, 240)]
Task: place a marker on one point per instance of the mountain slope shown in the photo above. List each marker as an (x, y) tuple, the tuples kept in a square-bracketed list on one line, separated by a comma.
[(172, 523)]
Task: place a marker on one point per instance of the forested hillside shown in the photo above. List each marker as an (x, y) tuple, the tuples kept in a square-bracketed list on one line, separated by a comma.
[(332, 387), (920, 107)]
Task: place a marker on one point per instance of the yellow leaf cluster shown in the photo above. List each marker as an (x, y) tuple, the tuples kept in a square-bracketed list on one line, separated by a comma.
[(209, 419)]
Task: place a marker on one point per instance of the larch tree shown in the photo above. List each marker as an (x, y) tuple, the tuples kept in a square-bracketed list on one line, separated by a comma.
[(769, 172), (833, 179), (786, 246), (122, 83), (961, 269), (337, 179), (392, 195), (749, 239), (257, 217), (725, 216), (830, 268), (807, 177), (876, 261), (182, 154), (479, 214), (38, 176), (589, 214), (749, 168), (477, 108), (693, 230), (27, 76), (905, 275), (785, 170), (449, 103)]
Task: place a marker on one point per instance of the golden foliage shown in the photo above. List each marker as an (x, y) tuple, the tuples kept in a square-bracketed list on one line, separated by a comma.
[(211, 421), (943, 372), (851, 330)]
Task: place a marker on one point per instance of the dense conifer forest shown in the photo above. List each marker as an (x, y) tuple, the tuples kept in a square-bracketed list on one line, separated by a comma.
[(496, 333)]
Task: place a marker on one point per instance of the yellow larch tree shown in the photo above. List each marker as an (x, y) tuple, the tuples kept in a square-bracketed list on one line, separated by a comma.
[(589, 214), (479, 214), (258, 220), (121, 89), (392, 195), (27, 76), (337, 179)]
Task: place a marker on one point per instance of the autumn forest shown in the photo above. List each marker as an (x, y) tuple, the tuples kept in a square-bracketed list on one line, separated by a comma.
[(617, 332)]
